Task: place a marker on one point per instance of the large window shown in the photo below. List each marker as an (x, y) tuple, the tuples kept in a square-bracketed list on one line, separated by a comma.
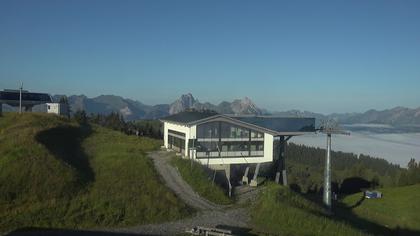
[(222, 139), (208, 130), (176, 140), (233, 131)]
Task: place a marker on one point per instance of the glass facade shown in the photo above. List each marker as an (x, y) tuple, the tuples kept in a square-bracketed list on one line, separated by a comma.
[(222, 139), (176, 141), (233, 131)]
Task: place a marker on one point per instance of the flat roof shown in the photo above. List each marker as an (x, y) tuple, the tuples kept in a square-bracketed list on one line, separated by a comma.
[(186, 117), (280, 124), (269, 124), (11, 97)]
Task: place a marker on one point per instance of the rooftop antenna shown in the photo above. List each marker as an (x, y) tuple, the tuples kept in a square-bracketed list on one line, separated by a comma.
[(20, 97), (329, 127)]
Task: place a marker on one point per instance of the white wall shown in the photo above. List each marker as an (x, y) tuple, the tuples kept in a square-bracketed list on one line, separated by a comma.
[(268, 147), (53, 108), (189, 133), (165, 135), (57, 108)]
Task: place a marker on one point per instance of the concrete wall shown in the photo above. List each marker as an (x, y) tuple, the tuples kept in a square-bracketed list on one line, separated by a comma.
[(189, 133)]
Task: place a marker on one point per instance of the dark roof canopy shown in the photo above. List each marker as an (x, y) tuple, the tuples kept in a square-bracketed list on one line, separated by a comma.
[(11, 97), (280, 124), (189, 116), (270, 124)]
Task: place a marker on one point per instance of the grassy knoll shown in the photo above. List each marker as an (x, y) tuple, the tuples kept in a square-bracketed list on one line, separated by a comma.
[(399, 209), (57, 173), (199, 180), (279, 211)]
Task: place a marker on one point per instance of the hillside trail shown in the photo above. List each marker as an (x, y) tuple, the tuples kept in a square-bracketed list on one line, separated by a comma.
[(209, 214), (176, 183)]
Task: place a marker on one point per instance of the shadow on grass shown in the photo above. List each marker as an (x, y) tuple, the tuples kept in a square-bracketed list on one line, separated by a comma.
[(65, 143), (34, 231), (358, 203), (354, 185), (344, 214)]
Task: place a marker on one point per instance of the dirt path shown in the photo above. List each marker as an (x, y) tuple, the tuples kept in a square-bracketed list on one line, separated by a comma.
[(209, 215), (174, 181)]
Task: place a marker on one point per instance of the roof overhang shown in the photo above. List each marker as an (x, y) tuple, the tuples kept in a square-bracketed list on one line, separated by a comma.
[(232, 120), (12, 98)]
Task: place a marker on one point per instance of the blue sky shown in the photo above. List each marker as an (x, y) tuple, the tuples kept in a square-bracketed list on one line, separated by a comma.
[(323, 56)]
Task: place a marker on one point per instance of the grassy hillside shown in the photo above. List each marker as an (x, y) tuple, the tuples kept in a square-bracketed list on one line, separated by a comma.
[(200, 181), (399, 209), (57, 173), (279, 211)]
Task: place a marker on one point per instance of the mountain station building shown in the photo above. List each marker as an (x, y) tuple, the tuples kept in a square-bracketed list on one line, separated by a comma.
[(219, 141), (27, 100)]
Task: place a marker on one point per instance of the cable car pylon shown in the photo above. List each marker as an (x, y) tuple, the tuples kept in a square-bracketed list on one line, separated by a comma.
[(329, 127)]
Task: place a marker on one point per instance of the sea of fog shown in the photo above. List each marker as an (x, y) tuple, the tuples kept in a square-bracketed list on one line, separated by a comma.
[(396, 148)]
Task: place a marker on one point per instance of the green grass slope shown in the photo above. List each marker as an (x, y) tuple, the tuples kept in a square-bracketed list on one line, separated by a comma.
[(399, 209), (279, 211), (200, 181), (57, 173)]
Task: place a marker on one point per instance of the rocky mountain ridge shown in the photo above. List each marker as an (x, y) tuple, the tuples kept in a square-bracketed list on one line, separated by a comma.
[(238, 106), (400, 117)]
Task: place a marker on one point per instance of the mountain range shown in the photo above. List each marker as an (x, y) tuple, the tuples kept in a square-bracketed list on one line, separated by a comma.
[(400, 117), (238, 106), (133, 110)]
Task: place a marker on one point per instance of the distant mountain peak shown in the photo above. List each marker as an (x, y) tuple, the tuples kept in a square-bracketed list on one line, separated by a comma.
[(186, 101), (238, 106), (247, 99), (245, 106)]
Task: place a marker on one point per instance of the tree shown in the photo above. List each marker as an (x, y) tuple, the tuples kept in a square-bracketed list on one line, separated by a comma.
[(411, 175), (412, 164), (80, 116), (64, 101), (374, 183)]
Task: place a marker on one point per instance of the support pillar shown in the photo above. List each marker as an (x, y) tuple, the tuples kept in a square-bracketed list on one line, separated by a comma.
[(20, 98), (227, 172), (254, 181), (281, 169), (327, 175), (245, 179)]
